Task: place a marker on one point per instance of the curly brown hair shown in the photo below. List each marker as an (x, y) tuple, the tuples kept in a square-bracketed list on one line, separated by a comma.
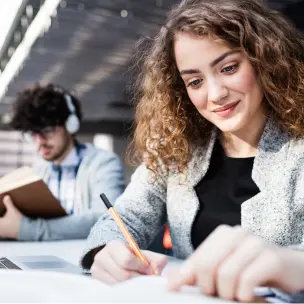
[(167, 123)]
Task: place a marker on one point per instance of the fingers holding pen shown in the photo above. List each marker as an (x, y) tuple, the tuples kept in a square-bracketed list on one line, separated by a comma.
[(124, 257), (116, 262), (157, 261)]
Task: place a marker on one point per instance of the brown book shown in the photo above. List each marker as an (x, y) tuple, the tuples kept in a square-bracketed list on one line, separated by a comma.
[(30, 194)]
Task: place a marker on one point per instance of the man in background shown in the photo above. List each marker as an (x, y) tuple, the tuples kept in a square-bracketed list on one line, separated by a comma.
[(75, 173)]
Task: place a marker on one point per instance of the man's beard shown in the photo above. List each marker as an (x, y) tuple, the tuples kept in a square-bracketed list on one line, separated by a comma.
[(57, 155)]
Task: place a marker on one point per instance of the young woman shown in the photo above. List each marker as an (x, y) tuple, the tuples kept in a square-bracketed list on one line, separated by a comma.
[(220, 125)]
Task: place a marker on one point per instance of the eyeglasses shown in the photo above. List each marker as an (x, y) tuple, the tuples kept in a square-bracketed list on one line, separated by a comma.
[(45, 133)]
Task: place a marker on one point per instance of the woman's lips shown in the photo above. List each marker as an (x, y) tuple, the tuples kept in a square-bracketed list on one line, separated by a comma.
[(226, 110)]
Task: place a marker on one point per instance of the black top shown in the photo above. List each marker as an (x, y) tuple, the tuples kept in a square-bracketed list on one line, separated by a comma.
[(226, 185)]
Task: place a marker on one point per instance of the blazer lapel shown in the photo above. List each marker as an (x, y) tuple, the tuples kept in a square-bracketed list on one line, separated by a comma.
[(265, 208), (185, 199), (200, 160), (270, 153)]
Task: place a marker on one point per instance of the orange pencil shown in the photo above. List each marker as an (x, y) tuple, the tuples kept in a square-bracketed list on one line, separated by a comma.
[(125, 231)]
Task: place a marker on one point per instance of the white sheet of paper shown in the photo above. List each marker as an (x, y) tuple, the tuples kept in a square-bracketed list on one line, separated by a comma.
[(42, 287), (154, 289)]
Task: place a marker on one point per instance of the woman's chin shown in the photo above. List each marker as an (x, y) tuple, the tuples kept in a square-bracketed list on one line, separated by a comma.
[(230, 126)]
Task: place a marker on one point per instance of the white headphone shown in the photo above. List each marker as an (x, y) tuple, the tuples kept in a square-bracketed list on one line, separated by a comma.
[(72, 123)]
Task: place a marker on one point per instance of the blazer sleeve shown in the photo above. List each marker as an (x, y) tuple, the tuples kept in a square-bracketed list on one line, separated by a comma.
[(142, 207), (67, 227), (107, 177)]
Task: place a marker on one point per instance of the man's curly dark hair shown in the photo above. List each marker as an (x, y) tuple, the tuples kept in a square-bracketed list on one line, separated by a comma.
[(42, 106)]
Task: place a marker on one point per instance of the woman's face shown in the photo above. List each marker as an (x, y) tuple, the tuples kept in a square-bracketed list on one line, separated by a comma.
[(220, 82)]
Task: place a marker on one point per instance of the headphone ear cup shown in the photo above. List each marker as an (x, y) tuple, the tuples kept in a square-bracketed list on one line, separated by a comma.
[(72, 124)]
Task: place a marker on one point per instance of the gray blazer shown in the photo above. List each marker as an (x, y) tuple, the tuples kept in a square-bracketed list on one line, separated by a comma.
[(276, 213)]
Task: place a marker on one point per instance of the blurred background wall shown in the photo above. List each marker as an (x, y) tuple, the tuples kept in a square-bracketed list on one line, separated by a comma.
[(87, 46)]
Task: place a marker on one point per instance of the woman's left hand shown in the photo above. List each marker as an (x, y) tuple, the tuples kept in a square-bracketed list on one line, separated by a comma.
[(231, 262)]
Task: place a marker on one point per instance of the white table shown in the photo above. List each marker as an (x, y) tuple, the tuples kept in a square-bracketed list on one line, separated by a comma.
[(31, 286), (70, 251)]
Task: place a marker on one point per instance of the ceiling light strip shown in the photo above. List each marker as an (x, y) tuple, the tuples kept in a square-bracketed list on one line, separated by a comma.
[(36, 28)]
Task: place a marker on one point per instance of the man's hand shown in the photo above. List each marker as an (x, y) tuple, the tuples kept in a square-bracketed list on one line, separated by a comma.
[(10, 222), (231, 262)]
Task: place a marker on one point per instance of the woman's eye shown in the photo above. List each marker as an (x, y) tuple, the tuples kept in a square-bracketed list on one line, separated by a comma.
[(230, 68), (195, 83)]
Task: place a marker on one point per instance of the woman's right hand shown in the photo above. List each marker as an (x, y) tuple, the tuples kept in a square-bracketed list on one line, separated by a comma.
[(116, 262)]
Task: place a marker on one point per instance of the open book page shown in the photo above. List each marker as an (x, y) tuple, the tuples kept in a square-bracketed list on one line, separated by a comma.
[(18, 178)]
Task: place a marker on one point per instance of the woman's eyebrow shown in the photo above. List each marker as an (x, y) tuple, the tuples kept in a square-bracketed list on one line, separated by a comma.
[(190, 71), (222, 57), (212, 64)]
